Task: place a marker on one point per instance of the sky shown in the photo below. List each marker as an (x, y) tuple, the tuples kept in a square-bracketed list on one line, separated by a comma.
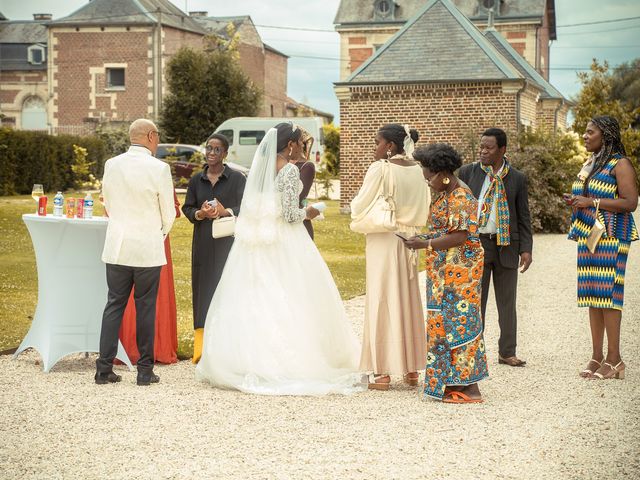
[(311, 80)]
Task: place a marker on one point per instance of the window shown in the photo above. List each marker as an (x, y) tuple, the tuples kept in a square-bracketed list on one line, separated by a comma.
[(36, 54), (115, 78), (251, 137), (228, 134), (384, 9)]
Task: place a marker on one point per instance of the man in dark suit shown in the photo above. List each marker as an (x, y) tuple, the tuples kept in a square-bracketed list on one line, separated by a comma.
[(505, 232)]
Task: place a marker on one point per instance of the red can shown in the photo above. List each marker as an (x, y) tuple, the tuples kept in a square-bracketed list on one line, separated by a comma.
[(79, 208), (42, 206), (70, 207)]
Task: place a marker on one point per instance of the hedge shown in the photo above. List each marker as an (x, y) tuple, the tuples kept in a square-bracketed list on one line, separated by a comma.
[(35, 157)]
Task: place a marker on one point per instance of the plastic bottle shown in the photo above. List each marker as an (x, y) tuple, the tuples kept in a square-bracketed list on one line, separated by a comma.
[(88, 206), (58, 205)]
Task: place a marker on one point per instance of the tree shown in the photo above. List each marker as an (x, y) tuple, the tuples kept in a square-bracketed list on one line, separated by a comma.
[(206, 88), (625, 86), (597, 97), (332, 148)]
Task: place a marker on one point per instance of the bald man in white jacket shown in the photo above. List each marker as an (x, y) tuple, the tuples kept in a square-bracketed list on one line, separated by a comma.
[(138, 194)]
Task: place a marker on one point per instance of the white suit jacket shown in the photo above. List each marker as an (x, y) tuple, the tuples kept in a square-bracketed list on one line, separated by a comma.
[(138, 195)]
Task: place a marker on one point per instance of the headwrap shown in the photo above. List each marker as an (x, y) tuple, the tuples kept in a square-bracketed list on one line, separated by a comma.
[(496, 190), (611, 143)]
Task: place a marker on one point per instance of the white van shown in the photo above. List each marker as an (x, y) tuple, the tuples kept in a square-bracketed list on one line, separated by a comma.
[(246, 133)]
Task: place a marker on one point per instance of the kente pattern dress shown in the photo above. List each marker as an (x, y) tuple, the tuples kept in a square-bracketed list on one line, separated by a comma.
[(455, 344), (601, 274)]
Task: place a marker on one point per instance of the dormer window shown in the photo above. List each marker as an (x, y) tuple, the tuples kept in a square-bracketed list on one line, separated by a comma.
[(36, 54), (485, 5), (384, 9)]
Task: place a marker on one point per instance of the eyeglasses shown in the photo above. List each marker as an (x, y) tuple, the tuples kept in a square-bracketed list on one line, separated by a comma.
[(156, 132), (215, 150), (432, 178)]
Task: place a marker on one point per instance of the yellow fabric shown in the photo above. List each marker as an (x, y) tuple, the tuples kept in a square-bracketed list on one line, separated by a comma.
[(198, 335)]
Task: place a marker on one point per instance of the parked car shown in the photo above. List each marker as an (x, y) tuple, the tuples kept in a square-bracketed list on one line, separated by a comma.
[(183, 161), (246, 133)]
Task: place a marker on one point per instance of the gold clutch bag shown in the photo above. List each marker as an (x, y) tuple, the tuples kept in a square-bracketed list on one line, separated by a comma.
[(597, 230)]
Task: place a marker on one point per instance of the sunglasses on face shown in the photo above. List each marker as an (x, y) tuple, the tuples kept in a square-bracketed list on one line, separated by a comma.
[(215, 150)]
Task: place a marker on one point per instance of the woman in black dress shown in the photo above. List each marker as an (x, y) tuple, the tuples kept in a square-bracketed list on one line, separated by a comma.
[(209, 255)]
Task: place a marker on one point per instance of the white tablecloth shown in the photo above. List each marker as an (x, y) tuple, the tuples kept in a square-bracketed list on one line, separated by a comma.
[(72, 287)]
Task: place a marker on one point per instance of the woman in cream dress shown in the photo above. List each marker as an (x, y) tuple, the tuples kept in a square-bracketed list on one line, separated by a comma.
[(394, 332)]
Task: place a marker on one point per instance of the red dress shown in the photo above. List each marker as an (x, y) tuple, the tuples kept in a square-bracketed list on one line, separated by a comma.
[(166, 338)]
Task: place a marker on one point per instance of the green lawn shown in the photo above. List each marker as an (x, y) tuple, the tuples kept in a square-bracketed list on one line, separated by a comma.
[(342, 249)]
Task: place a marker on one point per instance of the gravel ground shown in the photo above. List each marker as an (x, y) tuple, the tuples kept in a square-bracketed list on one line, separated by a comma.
[(537, 422)]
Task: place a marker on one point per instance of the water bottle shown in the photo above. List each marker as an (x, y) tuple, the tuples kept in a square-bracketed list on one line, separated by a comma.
[(58, 205), (88, 206)]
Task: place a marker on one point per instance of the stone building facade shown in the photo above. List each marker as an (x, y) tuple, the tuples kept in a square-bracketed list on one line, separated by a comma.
[(444, 77)]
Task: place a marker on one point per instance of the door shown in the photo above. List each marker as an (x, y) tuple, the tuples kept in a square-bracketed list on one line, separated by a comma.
[(34, 114)]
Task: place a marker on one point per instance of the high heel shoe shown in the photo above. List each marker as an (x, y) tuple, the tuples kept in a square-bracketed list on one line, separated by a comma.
[(589, 371), (613, 372), (411, 378), (380, 382)]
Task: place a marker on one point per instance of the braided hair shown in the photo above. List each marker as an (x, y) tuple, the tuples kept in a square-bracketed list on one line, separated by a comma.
[(611, 142)]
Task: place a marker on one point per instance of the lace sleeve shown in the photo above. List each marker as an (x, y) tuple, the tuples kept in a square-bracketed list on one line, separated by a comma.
[(290, 190)]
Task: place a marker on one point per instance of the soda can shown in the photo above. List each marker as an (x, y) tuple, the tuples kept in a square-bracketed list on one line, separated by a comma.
[(79, 208), (70, 207), (42, 206)]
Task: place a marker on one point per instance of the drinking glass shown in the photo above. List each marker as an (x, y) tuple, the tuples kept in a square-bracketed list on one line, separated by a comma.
[(36, 192)]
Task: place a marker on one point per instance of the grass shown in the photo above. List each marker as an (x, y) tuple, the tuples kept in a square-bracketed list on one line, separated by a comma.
[(342, 249)]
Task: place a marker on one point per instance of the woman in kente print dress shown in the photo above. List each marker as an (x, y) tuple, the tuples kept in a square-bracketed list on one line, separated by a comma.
[(456, 359), (607, 183)]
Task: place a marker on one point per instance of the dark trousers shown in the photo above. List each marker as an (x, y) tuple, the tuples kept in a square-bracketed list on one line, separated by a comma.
[(120, 280), (505, 285)]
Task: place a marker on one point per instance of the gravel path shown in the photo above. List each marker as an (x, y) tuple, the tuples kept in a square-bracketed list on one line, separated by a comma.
[(538, 422)]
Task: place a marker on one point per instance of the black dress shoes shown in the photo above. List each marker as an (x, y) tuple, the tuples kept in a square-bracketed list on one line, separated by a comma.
[(102, 378), (147, 378)]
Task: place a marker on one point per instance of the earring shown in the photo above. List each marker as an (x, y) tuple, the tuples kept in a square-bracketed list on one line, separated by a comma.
[(388, 153), (446, 181)]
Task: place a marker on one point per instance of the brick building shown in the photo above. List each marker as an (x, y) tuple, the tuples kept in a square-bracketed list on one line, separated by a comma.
[(365, 25), (265, 65), (105, 62), (23, 73), (443, 76)]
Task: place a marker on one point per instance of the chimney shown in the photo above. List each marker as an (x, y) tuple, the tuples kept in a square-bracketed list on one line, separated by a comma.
[(41, 17), (490, 20), (200, 13)]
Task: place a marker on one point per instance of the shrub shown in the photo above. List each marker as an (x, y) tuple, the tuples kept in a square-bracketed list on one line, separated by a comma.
[(35, 157), (332, 148), (551, 162)]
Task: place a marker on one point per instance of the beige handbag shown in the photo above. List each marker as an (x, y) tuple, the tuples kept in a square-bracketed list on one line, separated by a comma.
[(597, 230), (380, 217), (223, 227)]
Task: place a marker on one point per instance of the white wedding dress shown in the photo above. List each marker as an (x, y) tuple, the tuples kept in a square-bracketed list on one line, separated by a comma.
[(276, 324)]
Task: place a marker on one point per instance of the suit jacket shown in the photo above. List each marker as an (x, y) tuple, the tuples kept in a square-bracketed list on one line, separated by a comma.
[(138, 194), (515, 184)]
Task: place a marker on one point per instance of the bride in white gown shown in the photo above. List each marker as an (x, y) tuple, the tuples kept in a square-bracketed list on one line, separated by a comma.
[(276, 324)]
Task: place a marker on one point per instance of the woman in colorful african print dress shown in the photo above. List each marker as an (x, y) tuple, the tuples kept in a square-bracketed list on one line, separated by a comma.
[(607, 185), (456, 359)]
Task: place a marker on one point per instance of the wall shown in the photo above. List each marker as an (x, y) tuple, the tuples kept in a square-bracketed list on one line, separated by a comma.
[(453, 113), (275, 88), (78, 62), (15, 88)]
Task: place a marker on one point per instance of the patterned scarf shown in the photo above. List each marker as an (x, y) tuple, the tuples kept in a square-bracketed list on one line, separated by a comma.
[(496, 190)]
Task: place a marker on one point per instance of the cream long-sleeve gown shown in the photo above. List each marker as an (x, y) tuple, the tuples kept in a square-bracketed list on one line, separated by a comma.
[(394, 334)]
